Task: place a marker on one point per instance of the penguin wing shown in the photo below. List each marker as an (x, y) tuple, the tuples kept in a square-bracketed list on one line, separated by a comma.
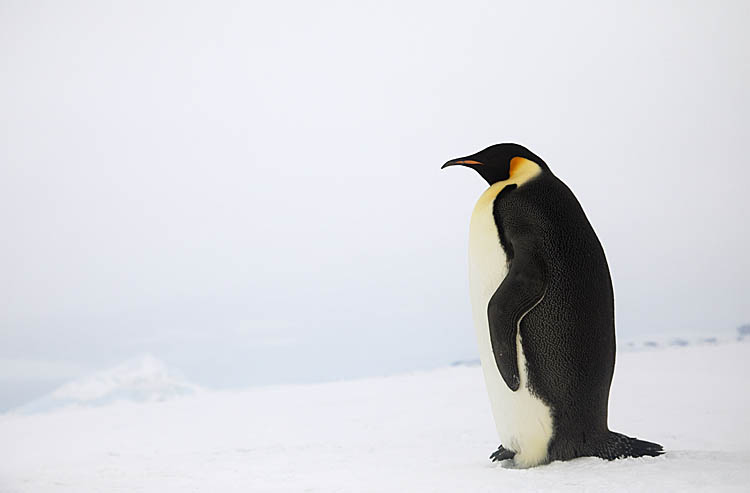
[(521, 290)]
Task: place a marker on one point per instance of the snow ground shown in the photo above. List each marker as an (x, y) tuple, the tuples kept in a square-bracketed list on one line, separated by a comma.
[(429, 431)]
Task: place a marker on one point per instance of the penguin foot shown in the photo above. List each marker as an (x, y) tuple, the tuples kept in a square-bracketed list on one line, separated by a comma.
[(502, 453)]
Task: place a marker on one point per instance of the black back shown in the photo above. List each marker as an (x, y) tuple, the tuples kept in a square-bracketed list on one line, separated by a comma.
[(569, 336)]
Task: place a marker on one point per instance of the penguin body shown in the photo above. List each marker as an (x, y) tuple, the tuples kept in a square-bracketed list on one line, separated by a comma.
[(521, 418), (543, 309)]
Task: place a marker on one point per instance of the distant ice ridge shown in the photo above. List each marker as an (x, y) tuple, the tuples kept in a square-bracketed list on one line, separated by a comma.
[(743, 334), (141, 379)]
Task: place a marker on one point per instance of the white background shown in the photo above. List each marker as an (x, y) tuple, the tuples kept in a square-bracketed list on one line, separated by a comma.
[(252, 192)]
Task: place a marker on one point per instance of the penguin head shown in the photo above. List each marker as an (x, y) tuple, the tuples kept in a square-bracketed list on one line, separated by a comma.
[(494, 162)]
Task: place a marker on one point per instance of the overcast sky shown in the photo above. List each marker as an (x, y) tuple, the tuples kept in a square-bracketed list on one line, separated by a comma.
[(252, 191)]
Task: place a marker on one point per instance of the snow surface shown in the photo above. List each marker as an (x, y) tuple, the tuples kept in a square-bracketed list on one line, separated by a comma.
[(429, 431)]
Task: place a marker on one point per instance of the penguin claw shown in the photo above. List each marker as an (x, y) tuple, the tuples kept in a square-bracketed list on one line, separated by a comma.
[(501, 454)]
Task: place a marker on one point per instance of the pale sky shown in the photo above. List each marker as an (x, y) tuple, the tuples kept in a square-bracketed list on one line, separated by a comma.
[(252, 191)]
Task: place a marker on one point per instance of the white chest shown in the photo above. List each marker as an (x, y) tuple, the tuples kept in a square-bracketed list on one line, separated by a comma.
[(523, 421)]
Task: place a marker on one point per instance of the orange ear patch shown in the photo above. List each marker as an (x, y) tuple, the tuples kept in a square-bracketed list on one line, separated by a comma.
[(516, 164), (522, 170)]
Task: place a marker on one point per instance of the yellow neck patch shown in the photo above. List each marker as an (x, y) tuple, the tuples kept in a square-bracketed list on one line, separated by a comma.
[(522, 171)]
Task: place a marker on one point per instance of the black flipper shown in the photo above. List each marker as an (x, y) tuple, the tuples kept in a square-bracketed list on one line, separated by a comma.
[(502, 453), (520, 291)]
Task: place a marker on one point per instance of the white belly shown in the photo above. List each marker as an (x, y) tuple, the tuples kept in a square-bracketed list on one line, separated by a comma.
[(523, 421)]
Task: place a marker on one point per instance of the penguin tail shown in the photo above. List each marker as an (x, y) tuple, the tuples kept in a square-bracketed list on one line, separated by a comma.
[(619, 446)]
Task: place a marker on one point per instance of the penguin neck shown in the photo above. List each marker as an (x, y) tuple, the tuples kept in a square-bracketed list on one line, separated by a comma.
[(522, 171)]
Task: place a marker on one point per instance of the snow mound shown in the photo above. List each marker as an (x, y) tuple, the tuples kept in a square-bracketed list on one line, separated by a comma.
[(141, 379)]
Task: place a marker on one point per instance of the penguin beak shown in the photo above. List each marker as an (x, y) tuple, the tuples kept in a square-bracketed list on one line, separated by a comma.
[(462, 161)]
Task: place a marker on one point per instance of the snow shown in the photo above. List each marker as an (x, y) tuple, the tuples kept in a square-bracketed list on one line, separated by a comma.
[(429, 431), (143, 378)]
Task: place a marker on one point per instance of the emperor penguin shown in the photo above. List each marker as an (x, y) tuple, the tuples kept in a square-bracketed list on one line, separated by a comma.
[(543, 308)]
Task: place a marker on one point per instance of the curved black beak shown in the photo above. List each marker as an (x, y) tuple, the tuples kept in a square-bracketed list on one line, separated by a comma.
[(461, 161)]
